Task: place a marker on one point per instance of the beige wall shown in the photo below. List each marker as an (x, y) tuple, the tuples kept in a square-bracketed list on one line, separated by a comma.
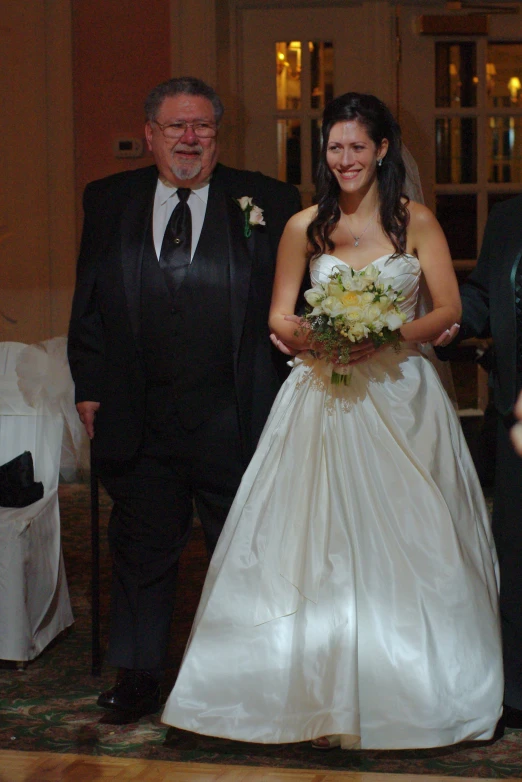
[(120, 50), (37, 242)]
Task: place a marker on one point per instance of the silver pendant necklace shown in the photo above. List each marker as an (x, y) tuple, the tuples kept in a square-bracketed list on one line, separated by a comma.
[(357, 239)]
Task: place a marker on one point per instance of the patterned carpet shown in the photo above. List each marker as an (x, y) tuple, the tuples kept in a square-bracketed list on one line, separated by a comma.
[(51, 705)]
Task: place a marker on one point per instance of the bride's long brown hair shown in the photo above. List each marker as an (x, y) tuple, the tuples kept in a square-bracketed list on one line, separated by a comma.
[(379, 124)]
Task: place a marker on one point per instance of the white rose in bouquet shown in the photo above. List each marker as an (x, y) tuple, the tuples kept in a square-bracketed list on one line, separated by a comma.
[(354, 313), (393, 320), (371, 273), (332, 306), (373, 312), (358, 283), (334, 289), (358, 332), (314, 296)]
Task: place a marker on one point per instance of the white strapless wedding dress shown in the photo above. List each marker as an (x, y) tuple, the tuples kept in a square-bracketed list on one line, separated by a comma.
[(353, 589)]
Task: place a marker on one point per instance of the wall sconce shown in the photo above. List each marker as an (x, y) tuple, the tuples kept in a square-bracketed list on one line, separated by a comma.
[(491, 72), (514, 86), (280, 63), (294, 55)]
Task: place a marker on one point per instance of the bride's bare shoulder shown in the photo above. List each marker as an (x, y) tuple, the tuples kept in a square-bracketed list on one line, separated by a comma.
[(421, 219), (419, 213), (301, 220)]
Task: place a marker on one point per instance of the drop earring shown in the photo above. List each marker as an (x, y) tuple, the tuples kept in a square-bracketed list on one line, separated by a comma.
[(379, 162)]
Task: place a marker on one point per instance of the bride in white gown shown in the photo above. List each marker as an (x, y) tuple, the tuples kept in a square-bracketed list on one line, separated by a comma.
[(352, 597)]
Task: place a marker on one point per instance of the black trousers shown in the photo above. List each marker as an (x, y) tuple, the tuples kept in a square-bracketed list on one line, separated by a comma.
[(150, 525), (507, 531)]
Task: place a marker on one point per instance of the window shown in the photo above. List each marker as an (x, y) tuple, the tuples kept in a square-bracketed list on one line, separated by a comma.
[(478, 136), (304, 85)]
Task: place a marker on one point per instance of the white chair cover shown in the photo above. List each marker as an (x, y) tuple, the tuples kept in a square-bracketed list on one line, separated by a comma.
[(34, 599), (44, 378)]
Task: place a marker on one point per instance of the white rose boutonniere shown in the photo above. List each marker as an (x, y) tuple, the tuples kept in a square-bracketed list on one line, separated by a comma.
[(253, 214)]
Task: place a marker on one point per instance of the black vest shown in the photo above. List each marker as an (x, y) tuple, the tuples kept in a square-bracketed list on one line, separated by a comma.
[(187, 339)]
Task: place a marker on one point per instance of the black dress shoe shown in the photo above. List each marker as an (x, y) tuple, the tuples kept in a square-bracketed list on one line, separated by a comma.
[(135, 694), (512, 718)]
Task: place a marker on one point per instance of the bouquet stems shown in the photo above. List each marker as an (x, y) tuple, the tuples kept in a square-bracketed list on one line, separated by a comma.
[(341, 379)]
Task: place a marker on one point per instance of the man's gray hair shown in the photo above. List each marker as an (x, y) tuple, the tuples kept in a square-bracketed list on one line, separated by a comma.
[(185, 85)]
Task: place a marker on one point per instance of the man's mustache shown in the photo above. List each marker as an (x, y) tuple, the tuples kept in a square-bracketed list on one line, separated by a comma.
[(188, 148)]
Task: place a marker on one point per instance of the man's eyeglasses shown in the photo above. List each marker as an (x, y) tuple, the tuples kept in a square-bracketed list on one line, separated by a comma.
[(174, 130)]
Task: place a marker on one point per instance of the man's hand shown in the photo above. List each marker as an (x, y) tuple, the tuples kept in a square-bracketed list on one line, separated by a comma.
[(87, 412), (446, 337)]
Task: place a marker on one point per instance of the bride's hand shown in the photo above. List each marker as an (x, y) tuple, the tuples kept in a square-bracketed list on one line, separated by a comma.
[(282, 346), (361, 351), (302, 334)]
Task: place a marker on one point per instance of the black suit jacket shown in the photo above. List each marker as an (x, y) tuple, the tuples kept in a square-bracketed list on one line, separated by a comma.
[(488, 299), (104, 335)]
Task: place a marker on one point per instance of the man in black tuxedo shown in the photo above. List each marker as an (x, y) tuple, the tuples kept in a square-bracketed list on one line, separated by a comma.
[(492, 306), (171, 358)]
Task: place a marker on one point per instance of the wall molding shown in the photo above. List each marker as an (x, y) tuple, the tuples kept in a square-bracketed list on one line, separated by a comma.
[(194, 53)]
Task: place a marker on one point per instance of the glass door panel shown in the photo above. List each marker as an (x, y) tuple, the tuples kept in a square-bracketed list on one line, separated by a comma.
[(456, 150), (288, 75), (289, 150), (504, 75), (456, 75), (504, 149), (301, 68), (322, 73)]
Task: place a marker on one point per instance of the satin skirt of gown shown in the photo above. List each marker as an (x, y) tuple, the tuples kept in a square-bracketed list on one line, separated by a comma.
[(354, 588)]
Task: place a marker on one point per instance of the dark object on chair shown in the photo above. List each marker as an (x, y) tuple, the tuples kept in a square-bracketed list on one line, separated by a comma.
[(17, 485)]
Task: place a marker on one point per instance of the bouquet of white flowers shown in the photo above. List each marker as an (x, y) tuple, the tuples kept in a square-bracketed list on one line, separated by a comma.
[(349, 307)]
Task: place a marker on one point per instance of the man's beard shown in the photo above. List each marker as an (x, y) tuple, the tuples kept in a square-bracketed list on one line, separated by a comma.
[(188, 169)]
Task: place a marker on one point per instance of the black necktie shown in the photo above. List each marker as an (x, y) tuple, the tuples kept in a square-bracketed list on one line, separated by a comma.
[(175, 249)]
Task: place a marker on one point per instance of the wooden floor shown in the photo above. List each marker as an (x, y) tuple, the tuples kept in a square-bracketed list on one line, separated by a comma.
[(51, 767)]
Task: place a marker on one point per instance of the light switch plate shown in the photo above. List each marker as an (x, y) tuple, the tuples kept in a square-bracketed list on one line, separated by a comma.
[(127, 147)]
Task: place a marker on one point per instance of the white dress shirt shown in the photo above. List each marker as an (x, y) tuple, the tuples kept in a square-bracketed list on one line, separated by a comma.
[(165, 200)]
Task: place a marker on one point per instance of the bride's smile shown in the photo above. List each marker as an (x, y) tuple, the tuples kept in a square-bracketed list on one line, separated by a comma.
[(352, 156)]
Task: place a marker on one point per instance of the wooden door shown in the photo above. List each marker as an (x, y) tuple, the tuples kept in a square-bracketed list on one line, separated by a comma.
[(293, 60)]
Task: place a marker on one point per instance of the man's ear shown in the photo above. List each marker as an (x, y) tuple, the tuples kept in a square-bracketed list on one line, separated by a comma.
[(148, 135)]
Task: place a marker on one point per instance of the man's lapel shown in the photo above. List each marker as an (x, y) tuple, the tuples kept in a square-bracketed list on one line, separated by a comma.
[(135, 223), (241, 257)]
